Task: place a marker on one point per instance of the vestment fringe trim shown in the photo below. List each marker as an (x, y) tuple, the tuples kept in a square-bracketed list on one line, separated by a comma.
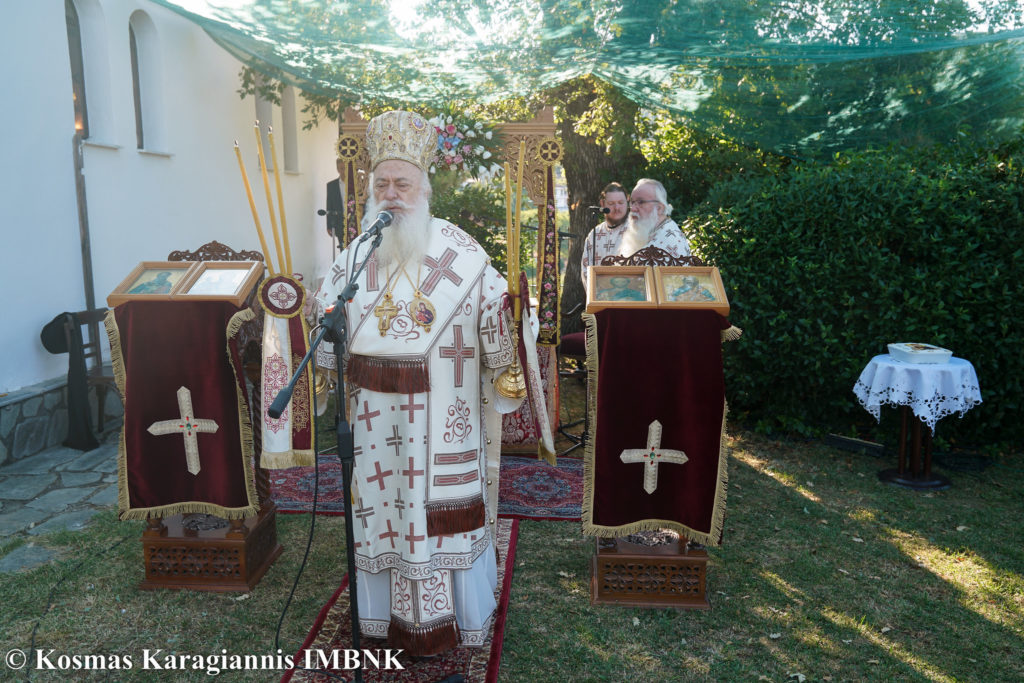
[(388, 375), (244, 419), (455, 518), (546, 455), (117, 364), (292, 458), (423, 641), (731, 334), (712, 538)]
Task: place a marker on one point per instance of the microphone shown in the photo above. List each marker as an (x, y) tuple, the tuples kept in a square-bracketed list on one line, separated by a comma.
[(384, 219), (602, 209)]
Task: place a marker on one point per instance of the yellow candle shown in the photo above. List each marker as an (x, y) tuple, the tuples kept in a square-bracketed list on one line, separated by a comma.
[(270, 200), (509, 262), (280, 204), (255, 214), (519, 210)]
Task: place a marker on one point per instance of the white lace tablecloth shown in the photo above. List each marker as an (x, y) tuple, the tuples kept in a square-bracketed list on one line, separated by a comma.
[(932, 390)]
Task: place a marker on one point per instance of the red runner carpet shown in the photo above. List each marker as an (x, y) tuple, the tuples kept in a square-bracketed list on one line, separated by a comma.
[(332, 631)]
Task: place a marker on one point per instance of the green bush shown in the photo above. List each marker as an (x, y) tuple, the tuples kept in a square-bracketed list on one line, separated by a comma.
[(825, 264)]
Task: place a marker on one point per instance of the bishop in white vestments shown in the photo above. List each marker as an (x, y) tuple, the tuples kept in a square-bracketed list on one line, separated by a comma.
[(428, 334)]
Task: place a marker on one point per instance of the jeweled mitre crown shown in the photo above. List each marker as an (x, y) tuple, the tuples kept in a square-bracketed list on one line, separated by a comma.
[(401, 135)]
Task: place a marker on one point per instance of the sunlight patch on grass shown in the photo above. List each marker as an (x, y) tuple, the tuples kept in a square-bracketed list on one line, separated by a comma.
[(768, 468), (783, 586), (892, 648), (964, 570)]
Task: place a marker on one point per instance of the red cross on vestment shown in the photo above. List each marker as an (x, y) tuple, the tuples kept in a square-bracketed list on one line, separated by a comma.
[(363, 512), (411, 407), (412, 539), (394, 440), (399, 503), (367, 415), (439, 269), (412, 473), (458, 353), (380, 476), (489, 330), (390, 534)]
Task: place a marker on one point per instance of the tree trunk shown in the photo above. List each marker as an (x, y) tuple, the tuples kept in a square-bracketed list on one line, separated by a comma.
[(588, 168)]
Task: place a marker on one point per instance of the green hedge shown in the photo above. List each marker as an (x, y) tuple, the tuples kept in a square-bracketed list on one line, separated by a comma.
[(825, 264)]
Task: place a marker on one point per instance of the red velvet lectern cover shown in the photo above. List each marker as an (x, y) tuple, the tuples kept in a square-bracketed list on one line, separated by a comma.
[(158, 347), (664, 365)]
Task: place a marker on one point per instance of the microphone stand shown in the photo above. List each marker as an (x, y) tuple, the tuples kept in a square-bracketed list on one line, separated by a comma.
[(335, 329)]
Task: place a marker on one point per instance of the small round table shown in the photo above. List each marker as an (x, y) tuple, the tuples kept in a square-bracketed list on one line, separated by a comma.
[(931, 391)]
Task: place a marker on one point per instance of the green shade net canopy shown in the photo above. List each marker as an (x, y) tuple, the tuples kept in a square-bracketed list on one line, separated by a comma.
[(800, 78)]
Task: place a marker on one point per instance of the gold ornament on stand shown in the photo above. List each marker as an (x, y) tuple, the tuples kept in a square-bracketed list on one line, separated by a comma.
[(512, 382)]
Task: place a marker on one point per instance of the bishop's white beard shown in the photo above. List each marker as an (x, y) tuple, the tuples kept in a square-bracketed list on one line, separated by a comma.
[(638, 233), (405, 240)]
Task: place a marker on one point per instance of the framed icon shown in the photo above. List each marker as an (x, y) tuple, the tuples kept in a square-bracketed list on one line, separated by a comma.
[(151, 281), (690, 287), (220, 281), (620, 287)]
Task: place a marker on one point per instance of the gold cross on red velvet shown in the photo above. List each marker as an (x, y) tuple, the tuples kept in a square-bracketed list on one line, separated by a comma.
[(652, 456), (188, 426)]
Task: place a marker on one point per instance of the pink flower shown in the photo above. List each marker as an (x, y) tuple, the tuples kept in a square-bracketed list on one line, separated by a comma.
[(458, 158), (450, 129)]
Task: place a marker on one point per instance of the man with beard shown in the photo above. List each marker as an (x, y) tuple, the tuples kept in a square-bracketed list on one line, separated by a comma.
[(429, 332), (649, 224), (605, 238)]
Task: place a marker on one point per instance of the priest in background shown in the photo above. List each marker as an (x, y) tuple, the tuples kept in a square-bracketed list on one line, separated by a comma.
[(606, 237), (429, 333), (649, 224)]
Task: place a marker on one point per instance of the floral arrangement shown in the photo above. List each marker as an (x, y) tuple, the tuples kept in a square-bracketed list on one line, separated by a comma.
[(464, 145)]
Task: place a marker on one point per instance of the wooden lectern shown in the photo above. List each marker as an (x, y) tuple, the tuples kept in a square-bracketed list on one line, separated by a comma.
[(186, 456)]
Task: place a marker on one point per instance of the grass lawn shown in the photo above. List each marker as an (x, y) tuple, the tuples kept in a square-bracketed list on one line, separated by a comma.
[(824, 573)]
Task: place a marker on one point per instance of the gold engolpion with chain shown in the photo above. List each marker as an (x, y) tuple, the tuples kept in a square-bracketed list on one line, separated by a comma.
[(385, 312)]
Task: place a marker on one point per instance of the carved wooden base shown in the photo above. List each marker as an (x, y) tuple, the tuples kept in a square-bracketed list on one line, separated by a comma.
[(667, 575), (233, 558)]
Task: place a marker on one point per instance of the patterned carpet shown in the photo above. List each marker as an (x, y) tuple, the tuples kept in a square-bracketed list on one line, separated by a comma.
[(528, 489), (332, 631)]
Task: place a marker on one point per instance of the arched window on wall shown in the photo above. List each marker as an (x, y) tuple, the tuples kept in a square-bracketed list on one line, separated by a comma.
[(90, 70), (77, 68), (147, 82)]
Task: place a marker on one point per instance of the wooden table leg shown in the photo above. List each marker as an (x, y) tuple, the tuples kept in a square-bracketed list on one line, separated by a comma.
[(904, 413), (917, 477)]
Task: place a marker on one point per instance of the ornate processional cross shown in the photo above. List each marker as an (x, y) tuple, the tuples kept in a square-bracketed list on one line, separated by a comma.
[(188, 427), (652, 455)]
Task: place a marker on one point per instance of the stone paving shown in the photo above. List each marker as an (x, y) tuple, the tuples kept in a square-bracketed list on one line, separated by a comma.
[(56, 489)]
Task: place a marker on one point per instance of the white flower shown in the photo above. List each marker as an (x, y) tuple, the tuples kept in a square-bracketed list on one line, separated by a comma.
[(480, 170), (448, 120), (470, 133), (486, 155), (487, 135), (433, 169)]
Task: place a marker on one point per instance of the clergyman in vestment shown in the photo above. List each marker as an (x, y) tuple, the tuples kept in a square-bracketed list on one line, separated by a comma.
[(429, 331)]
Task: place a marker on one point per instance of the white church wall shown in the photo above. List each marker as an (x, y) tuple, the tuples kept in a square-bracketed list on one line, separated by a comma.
[(40, 257), (179, 192)]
